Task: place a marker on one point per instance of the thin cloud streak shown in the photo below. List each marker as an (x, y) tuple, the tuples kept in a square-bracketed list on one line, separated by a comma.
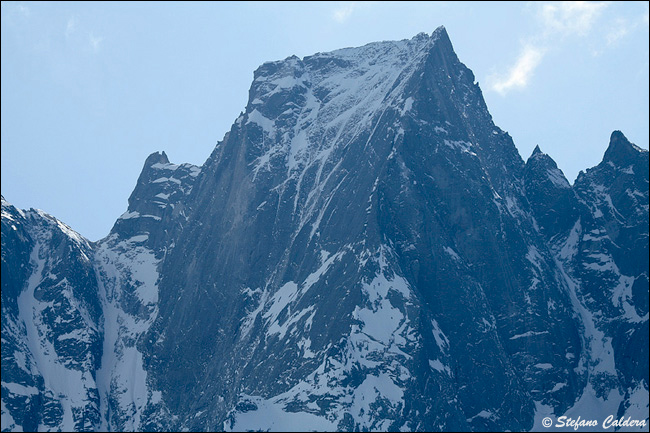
[(344, 12), (570, 17), (520, 73), (347, 9), (558, 20), (620, 29), (24, 10), (95, 41), (70, 27)]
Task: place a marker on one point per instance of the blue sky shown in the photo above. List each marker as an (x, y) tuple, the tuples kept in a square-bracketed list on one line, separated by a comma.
[(90, 89)]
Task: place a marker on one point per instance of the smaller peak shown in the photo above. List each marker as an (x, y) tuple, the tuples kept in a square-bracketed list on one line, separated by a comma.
[(290, 66), (292, 62), (5, 205), (617, 135), (620, 150), (538, 155), (156, 158), (8, 209), (421, 35)]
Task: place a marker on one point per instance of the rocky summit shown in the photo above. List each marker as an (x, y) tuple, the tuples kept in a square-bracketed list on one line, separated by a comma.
[(363, 251)]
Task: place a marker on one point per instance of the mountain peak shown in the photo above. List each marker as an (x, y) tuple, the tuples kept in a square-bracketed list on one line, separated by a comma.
[(542, 166), (620, 149), (344, 90), (440, 33), (542, 158), (440, 29), (156, 158)]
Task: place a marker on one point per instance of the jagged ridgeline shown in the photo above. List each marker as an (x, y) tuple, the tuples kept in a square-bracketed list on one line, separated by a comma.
[(364, 250)]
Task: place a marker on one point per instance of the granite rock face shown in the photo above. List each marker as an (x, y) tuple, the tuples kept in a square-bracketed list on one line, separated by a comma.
[(364, 250)]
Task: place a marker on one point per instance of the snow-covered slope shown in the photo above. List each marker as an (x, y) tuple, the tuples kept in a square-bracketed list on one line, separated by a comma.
[(51, 325)]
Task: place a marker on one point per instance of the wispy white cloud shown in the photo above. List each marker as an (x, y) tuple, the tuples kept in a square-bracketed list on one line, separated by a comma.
[(23, 10), (570, 17), (95, 41), (347, 9), (622, 27), (344, 12), (519, 74), (75, 33), (618, 31), (70, 27), (12, 9), (558, 21)]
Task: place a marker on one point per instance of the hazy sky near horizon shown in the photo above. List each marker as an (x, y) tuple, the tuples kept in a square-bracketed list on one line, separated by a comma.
[(90, 89)]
